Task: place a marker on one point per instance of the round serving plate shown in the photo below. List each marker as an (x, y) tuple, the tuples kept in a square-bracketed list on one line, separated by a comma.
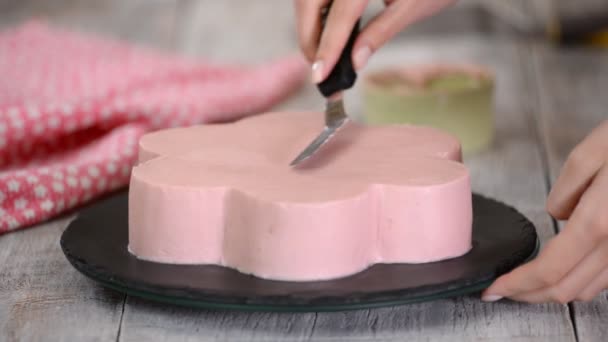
[(96, 245)]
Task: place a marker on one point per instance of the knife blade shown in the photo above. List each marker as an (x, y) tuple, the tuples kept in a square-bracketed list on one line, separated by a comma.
[(342, 77), (335, 117)]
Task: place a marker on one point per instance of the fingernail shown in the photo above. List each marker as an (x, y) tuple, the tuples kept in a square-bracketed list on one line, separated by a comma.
[(491, 298), (317, 71), (361, 57)]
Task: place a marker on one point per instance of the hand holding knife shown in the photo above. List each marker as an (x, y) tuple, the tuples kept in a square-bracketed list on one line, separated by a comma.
[(342, 77)]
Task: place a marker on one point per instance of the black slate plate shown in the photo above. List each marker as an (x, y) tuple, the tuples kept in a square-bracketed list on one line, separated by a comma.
[(96, 245)]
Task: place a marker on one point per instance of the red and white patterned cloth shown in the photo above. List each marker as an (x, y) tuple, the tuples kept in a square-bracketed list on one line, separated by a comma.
[(72, 109)]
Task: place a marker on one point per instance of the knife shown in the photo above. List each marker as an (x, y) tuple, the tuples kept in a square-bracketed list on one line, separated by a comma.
[(342, 77)]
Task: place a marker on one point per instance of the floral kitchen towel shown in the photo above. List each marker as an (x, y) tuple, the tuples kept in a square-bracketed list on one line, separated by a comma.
[(72, 109)]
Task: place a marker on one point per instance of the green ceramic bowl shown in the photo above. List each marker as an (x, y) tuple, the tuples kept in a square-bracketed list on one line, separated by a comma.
[(457, 99)]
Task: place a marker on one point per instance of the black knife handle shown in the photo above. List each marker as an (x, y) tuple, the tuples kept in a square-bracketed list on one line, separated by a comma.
[(343, 75)]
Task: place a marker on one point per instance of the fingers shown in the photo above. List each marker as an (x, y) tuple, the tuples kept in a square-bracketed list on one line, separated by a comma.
[(397, 15), (599, 284), (558, 257), (338, 27), (308, 24), (586, 230), (574, 283), (324, 52), (577, 173)]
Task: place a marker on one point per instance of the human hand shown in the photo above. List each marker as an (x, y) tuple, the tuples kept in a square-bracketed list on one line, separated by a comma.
[(324, 52), (574, 264)]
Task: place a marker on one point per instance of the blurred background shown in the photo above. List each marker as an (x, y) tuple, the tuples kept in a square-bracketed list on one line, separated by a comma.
[(485, 32), (238, 31), (251, 31)]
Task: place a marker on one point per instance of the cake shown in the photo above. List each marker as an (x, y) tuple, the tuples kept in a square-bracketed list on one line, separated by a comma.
[(224, 194)]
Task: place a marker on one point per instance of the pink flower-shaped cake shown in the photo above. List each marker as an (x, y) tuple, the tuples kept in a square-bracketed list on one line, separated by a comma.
[(224, 194)]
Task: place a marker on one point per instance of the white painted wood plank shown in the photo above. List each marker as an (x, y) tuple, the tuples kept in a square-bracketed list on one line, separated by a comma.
[(572, 98), (42, 298), (572, 101)]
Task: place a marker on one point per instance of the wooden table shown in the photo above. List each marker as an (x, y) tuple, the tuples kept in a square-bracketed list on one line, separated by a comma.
[(547, 100)]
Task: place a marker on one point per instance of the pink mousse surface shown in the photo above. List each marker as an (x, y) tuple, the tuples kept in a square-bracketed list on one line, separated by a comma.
[(224, 194)]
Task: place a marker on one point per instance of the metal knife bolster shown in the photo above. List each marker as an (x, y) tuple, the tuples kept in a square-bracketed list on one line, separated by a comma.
[(335, 115)]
